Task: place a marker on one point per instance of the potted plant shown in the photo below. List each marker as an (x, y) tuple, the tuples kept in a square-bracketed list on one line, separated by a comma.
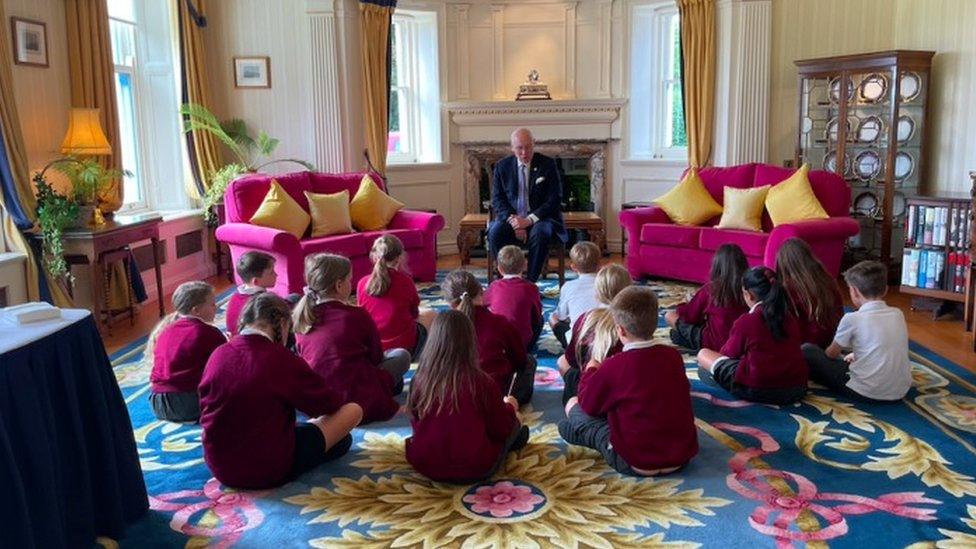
[(88, 180), (55, 212)]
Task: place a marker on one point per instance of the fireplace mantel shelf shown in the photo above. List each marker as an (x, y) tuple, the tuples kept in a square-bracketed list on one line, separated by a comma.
[(493, 121)]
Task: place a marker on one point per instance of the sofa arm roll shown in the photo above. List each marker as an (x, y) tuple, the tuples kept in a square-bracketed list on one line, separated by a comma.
[(257, 237), (428, 223), (635, 218), (834, 228)]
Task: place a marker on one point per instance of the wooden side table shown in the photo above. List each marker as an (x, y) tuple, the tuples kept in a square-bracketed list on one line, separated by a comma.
[(98, 246), (623, 232)]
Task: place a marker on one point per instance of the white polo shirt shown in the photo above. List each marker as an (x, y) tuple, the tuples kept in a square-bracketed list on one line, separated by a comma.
[(576, 297), (878, 337)]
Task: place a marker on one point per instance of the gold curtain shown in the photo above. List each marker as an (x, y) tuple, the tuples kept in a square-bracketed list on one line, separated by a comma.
[(374, 41), (698, 84), (92, 79), (17, 159), (204, 152)]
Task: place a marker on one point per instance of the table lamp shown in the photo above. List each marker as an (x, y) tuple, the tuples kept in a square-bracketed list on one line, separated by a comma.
[(86, 138)]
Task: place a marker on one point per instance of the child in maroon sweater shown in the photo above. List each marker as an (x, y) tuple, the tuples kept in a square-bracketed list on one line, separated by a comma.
[(501, 352), (707, 319), (390, 297), (179, 346), (635, 407), (762, 360), (250, 390), (341, 342), (257, 272), (462, 426), (514, 297), (815, 298)]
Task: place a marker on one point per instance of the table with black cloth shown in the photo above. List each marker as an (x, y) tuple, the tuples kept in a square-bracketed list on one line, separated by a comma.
[(69, 470)]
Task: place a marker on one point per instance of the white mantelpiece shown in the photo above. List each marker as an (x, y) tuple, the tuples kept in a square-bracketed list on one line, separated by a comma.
[(558, 120)]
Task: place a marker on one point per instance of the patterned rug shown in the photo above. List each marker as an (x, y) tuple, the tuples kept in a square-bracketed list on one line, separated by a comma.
[(822, 472)]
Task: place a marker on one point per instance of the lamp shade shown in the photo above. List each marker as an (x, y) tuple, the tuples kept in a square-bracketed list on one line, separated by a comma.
[(85, 135)]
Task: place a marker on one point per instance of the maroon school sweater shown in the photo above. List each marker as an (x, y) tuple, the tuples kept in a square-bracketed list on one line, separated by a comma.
[(814, 332), (395, 312), (232, 313), (501, 352), (519, 301), (580, 344), (181, 352), (645, 396), (765, 363), (464, 443), (344, 348), (250, 390), (717, 320)]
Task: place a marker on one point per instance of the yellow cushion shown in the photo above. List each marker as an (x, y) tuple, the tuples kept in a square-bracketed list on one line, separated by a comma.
[(330, 213), (280, 211), (743, 208), (793, 200), (372, 209), (689, 203)]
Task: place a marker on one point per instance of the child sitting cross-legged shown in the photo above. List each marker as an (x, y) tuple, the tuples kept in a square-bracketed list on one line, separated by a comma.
[(250, 390), (635, 407), (390, 297), (577, 296), (257, 271), (514, 297), (762, 360), (341, 342), (463, 428), (707, 319), (501, 352), (179, 346), (877, 369), (594, 335), (814, 295)]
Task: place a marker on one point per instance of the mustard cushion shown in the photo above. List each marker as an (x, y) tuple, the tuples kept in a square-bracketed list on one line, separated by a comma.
[(330, 213), (793, 200), (689, 203), (278, 210), (743, 208), (372, 209)]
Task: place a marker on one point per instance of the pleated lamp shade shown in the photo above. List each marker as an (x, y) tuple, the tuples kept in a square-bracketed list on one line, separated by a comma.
[(85, 135)]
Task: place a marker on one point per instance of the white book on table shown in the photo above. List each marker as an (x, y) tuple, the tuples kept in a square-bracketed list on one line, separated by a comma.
[(30, 312)]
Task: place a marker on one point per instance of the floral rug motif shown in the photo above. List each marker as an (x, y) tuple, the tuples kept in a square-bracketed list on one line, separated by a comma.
[(824, 472)]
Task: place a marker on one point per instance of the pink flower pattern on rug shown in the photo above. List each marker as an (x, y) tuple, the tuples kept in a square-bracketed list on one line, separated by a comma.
[(503, 499), (235, 511), (780, 508)]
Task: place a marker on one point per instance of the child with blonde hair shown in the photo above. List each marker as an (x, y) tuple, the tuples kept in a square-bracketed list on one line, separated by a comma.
[(250, 390), (501, 353), (341, 342), (257, 273), (514, 297), (463, 428), (577, 296), (180, 345), (593, 334), (390, 297)]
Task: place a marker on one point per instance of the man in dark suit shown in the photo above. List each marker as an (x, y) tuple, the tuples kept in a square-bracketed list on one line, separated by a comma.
[(526, 200)]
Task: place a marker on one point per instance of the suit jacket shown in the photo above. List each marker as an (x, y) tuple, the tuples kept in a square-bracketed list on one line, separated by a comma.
[(545, 190)]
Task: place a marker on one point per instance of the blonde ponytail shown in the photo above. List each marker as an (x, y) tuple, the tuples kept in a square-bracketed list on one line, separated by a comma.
[(386, 250), (460, 289), (322, 273)]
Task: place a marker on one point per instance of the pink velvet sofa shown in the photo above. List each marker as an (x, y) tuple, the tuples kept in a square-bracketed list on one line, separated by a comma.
[(657, 247), (417, 230)]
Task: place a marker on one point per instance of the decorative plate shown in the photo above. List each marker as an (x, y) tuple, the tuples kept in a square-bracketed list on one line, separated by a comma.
[(834, 87), (869, 129), (830, 163), (897, 204), (867, 165), (807, 124), (866, 204), (833, 128), (906, 128), (910, 86), (904, 165), (873, 88)]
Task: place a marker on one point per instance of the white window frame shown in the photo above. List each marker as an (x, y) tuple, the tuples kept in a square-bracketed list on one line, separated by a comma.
[(419, 77), (142, 204), (649, 111)]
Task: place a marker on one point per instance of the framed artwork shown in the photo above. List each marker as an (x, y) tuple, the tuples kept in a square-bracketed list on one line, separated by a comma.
[(252, 72), (30, 42)]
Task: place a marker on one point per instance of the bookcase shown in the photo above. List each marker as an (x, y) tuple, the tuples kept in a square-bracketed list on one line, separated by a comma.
[(936, 258)]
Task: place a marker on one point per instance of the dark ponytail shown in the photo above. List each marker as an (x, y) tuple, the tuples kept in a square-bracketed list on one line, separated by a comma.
[(762, 283)]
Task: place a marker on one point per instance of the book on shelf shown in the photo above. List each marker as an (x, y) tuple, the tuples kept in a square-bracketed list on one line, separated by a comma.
[(937, 237)]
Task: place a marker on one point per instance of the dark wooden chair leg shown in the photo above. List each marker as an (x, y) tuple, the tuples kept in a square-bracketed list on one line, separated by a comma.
[(562, 264)]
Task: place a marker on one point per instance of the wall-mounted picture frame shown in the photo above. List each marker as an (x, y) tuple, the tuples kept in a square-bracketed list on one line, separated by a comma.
[(252, 72), (29, 41)]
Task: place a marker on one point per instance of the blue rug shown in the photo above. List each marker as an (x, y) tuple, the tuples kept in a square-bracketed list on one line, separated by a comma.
[(823, 472)]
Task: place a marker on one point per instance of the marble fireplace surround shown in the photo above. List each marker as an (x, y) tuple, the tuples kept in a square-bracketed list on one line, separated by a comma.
[(569, 129)]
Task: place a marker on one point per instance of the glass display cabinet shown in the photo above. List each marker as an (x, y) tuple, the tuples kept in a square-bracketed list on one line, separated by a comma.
[(864, 117)]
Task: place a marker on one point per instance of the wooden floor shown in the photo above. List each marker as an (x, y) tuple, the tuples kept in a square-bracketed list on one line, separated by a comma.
[(945, 337)]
